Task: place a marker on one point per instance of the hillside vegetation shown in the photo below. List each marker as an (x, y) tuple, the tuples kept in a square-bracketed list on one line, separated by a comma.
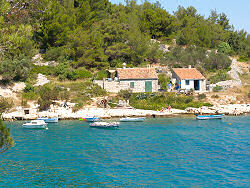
[(95, 35)]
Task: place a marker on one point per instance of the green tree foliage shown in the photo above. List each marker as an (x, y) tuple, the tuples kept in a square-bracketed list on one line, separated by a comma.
[(5, 104), (97, 34), (5, 140), (48, 93), (219, 76), (224, 48), (196, 57), (163, 81), (15, 69)]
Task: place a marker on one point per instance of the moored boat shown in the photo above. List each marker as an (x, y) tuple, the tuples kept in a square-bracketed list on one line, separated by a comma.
[(105, 124), (49, 120), (35, 124), (129, 119), (205, 117), (90, 119)]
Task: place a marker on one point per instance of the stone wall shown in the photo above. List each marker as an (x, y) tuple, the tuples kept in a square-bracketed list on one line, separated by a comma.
[(116, 86)]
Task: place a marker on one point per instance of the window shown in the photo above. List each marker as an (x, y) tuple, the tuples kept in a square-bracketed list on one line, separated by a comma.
[(187, 82), (132, 84)]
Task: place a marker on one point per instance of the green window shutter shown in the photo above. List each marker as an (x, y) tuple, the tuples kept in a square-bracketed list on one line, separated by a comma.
[(132, 85)]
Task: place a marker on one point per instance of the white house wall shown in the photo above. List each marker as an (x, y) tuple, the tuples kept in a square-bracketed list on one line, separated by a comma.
[(188, 87)]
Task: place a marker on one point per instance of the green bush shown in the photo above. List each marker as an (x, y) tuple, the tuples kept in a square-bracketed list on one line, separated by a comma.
[(64, 71), (163, 81), (5, 140), (83, 73), (244, 58), (30, 95), (218, 77), (217, 88), (29, 88), (201, 96), (125, 94), (52, 54), (17, 69), (46, 70), (215, 96), (101, 74), (224, 48), (157, 101), (5, 104)]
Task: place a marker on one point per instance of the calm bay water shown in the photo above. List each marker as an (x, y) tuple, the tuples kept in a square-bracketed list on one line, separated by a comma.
[(169, 152)]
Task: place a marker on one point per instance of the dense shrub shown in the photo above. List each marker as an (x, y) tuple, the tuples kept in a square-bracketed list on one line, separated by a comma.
[(201, 96), (101, 74), (5, 140), (196, 57), (64, 71), (157, 101), (215, 96), (163, 81), (54, 53), (125, 94), (83, 73), (217, 61), (217, 88), (224, 48), (218, 77), (45, 70), (29, 88), (15, 70), (5, 104)]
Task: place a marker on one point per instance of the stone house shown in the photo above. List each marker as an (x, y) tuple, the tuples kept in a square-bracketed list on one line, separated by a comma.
[(134, 79), (188, 78)]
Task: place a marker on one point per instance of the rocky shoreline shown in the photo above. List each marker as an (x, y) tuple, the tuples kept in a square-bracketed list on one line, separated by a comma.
[(67, 113)]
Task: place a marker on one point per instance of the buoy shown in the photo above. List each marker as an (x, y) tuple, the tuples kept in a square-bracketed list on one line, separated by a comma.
[(229, 123)]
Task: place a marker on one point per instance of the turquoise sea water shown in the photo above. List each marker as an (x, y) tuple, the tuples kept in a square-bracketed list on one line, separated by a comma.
[(169, 152)]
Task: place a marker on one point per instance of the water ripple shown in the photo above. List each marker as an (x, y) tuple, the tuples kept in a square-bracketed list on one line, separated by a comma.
[(169, 152)]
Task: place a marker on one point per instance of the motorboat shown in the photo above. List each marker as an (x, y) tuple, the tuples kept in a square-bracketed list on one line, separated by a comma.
[(49, 120), (90, 119), (35, 124), (102, 124), (206, 117), (129, 119)]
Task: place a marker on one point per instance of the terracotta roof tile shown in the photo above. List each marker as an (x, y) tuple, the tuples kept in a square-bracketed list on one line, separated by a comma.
[(188, 73), (137, 73)]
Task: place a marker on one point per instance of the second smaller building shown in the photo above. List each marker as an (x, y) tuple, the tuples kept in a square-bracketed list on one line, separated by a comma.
[(188, 78)]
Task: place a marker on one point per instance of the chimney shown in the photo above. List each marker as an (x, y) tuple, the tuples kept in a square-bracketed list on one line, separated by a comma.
[(189, 66), (124, 65)]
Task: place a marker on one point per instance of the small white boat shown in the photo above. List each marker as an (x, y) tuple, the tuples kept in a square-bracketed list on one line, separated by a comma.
[(128, 119), (35, 124), (105, 124), (205, 117), (49, 120), (90, 119)]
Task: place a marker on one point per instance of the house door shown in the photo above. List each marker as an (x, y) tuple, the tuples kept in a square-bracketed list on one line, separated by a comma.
[(196, 85), (148, 86)]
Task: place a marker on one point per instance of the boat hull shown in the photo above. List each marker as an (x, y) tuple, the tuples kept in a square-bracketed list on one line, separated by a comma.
[(44, 126), (206, 117), (49, 120), (132, 119), (105, 125), (90, 119)]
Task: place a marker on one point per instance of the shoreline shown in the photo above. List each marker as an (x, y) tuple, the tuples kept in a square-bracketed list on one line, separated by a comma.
[(67, 113)]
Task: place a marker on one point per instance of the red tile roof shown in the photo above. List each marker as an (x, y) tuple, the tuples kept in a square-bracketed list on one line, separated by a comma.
[(137, 73), (188, 73)]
